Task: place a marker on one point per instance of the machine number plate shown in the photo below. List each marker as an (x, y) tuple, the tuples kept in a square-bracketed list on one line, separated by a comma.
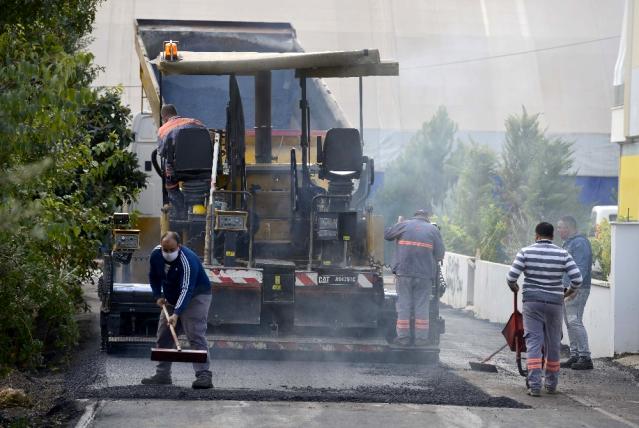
[(337, 279)]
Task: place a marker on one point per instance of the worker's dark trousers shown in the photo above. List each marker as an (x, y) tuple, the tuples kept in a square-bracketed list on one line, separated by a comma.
[(413, 294), (176, 197), (542, 327), (193, 323)]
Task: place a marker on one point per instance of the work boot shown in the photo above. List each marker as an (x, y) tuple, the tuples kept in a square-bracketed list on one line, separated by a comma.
[(158, 379), (203, 380), (583, 363), (551, 391), (568, 363), (401, 342)]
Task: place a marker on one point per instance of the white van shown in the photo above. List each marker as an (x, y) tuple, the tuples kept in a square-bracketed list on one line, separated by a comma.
[(600, 213)]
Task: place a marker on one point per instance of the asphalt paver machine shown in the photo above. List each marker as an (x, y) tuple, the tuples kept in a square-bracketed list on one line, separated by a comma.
[(276, 199)]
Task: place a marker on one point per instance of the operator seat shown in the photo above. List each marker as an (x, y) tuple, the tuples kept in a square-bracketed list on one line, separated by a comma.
[(192, 154), (342, 155)]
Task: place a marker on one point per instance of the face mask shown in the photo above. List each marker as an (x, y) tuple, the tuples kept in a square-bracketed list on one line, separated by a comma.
[(169, 257)]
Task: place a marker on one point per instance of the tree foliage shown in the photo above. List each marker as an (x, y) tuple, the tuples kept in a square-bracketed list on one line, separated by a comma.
[(65, 169), (536, 184), (67, 20), (488, 204), (475, 221), (602, 248), (419, 177)]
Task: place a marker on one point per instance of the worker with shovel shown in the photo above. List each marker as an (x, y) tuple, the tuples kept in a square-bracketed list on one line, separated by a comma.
[(543, 265), (180, 284)]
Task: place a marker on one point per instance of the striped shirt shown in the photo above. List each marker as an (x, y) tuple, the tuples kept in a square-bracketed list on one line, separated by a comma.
[(543, 265)]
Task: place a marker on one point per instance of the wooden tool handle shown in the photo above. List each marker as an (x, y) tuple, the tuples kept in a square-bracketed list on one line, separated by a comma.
[(175, 338), (494, 353)]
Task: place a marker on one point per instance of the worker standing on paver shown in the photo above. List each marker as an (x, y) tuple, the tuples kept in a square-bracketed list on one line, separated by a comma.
[(419, 248), (543, 265), (578, 246), (178, 280), (172, 123)]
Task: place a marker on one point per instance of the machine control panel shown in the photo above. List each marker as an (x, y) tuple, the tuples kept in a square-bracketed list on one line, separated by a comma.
[(126, 239), (231, 220)]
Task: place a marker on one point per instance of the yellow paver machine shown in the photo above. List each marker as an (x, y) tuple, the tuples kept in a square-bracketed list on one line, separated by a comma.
[(276, 191)]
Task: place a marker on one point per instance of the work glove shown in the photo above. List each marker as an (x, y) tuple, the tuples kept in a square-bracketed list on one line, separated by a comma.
[(514, 287), (173, 319)]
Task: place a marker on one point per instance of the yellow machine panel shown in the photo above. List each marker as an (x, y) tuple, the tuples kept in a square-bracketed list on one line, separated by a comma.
[(375, 236), (282, 142), (628, 185)]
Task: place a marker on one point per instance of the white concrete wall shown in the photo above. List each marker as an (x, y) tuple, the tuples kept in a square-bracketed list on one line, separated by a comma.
[(624, 276), (598, 321), (484, 284), (459, 273), (493, 299)]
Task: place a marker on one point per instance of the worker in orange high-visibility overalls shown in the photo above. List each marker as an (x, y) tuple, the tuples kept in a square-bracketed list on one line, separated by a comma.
[(419, 248), (172, 124)]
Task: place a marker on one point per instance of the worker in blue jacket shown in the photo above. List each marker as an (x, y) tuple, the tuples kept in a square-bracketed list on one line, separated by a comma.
[(178, 280)]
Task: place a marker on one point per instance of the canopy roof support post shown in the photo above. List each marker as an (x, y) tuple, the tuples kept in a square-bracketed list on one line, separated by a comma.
[(263, 150), (160, 93), (361, 109), (304, 110)]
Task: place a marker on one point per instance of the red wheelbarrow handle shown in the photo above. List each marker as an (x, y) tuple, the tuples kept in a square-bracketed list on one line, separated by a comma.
[(521, 370)]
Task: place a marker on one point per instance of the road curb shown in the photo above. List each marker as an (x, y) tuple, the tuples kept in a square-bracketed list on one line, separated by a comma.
[(90, 410)]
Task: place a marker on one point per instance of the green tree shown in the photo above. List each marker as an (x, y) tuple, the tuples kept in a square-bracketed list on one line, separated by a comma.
[(419, 177), (69, 21), (475, 222), (602, 248), (65, 168), (536, 180)]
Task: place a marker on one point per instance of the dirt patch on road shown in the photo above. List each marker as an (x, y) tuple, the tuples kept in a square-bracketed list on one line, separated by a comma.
[(49, 403), (52, 393)]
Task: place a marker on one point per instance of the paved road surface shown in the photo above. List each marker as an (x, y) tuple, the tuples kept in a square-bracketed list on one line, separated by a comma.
[(293, 393)]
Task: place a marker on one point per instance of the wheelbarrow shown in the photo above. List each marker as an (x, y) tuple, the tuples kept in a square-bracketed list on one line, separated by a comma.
[(514, 333)]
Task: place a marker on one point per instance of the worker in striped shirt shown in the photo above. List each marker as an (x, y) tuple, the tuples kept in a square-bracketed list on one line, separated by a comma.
[(543, 265)]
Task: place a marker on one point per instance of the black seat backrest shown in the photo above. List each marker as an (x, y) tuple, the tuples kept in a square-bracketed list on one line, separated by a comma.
[(192, 153), (342, 151)]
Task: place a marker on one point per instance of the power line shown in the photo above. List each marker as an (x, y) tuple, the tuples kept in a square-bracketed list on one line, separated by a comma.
[(485, 58)]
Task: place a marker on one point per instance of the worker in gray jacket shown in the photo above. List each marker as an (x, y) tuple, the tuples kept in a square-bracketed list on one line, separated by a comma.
[(419, 248), (579, 248)]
